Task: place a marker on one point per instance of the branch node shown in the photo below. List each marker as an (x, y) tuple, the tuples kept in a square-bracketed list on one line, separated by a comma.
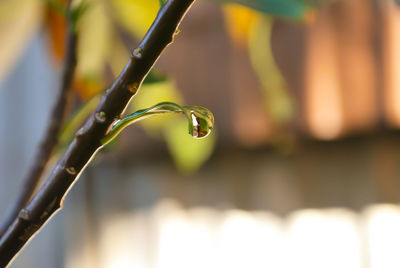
[(24, 214), (100, 117), (137, 53), (80, 132), (71, 170), (133, 88)]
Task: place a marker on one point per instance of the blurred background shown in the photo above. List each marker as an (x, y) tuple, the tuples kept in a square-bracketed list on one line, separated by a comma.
[(302, 169)]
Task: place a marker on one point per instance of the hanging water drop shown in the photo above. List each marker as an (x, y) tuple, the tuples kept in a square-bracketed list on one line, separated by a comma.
[(201, 123)]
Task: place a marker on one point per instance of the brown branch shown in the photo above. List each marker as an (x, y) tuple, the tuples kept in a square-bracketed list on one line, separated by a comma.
[(50, 139), (87, 140)]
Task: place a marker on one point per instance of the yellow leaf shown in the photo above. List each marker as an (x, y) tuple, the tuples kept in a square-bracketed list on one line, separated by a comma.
[(238, 21), (94, 43), (277, 100), (188, 153), (135, 15), (19, 21)]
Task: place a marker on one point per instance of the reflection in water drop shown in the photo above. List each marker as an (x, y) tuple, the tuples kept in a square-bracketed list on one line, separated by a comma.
[(201, 123)]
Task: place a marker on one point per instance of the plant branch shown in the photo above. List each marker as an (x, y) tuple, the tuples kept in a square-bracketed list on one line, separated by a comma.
[(50, 139), (87, 141)]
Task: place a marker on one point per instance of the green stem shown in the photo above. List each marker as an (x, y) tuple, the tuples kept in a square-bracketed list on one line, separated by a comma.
[(160, 108), (200, 119)]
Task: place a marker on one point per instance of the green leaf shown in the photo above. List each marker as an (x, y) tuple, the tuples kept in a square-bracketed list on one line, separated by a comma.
[(282, 8), (188, 154), (200, 120)]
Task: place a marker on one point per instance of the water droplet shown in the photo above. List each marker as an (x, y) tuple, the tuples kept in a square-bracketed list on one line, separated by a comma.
[(133, 87), (100, 117), (24, 214), (202, 121), (138, 52), (71, 170)]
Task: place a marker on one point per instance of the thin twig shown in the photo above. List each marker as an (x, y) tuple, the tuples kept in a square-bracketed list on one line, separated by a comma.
[(87, 141), (50, 139)]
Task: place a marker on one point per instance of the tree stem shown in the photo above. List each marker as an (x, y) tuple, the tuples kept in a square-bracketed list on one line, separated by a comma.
[(50, 139), (87, 141)]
